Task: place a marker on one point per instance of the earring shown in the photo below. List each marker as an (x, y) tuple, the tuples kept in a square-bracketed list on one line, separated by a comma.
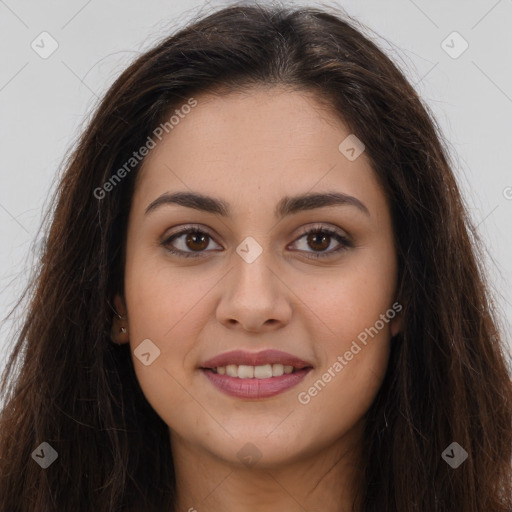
[(118, 334)]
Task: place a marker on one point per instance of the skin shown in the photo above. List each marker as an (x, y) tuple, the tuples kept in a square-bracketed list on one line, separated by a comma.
[(251, 149)]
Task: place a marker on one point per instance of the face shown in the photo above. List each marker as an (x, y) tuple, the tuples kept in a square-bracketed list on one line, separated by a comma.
[(256, 277)]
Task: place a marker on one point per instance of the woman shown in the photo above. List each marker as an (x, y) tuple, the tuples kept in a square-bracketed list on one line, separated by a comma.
[(260, 290)]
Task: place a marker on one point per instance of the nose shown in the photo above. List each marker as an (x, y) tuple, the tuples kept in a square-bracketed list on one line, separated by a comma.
[(254, 298)]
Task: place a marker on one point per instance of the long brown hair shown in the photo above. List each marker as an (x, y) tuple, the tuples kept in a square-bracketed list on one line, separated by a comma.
[(447, 380)]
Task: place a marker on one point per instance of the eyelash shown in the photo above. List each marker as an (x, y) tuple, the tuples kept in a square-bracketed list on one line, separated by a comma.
[(345, 242)]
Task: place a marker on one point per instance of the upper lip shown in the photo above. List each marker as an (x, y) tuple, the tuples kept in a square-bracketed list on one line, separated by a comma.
[(239, 357)]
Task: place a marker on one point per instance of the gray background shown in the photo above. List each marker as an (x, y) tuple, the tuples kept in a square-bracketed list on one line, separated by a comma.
[(44, 101)]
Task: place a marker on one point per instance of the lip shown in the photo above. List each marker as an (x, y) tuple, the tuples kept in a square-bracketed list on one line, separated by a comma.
[(270, 356), (255, 388)]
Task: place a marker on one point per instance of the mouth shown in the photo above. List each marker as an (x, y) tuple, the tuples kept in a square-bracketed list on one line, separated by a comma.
[(255, 375)]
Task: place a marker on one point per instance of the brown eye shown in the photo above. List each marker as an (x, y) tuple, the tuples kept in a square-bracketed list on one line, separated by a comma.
[(192, 242), (319, 239)]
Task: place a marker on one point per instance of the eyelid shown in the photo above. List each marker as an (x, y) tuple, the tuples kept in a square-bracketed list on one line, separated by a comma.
[(329, 228)]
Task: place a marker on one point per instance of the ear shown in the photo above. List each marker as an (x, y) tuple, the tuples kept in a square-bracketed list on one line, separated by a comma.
[(120, 305), (396, 324), (119, 332)]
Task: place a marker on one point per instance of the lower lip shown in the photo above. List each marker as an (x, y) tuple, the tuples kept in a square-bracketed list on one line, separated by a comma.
[(255, 388)]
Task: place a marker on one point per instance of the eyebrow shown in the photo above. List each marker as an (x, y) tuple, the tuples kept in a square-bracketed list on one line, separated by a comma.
[(286, 206)]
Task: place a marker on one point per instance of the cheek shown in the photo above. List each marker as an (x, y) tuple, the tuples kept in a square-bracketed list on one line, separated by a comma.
[(153, 310), (352, 342), (338, 400), (168, 309), (353, 298), (161, 310), (353, 357), (160, 298)]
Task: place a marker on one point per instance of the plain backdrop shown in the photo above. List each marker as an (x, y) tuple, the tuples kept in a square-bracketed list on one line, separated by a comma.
[(44, 99)]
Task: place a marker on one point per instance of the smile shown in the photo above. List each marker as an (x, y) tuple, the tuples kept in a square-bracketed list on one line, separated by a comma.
[(255, 375)]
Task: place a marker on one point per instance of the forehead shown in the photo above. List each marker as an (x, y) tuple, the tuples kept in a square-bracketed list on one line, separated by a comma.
[(264, 140), (260, 122)]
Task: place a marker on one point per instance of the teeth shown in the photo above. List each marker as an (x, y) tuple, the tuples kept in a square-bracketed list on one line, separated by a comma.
[(245, 371), (232, 370), (262, 372), (277, 370)]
